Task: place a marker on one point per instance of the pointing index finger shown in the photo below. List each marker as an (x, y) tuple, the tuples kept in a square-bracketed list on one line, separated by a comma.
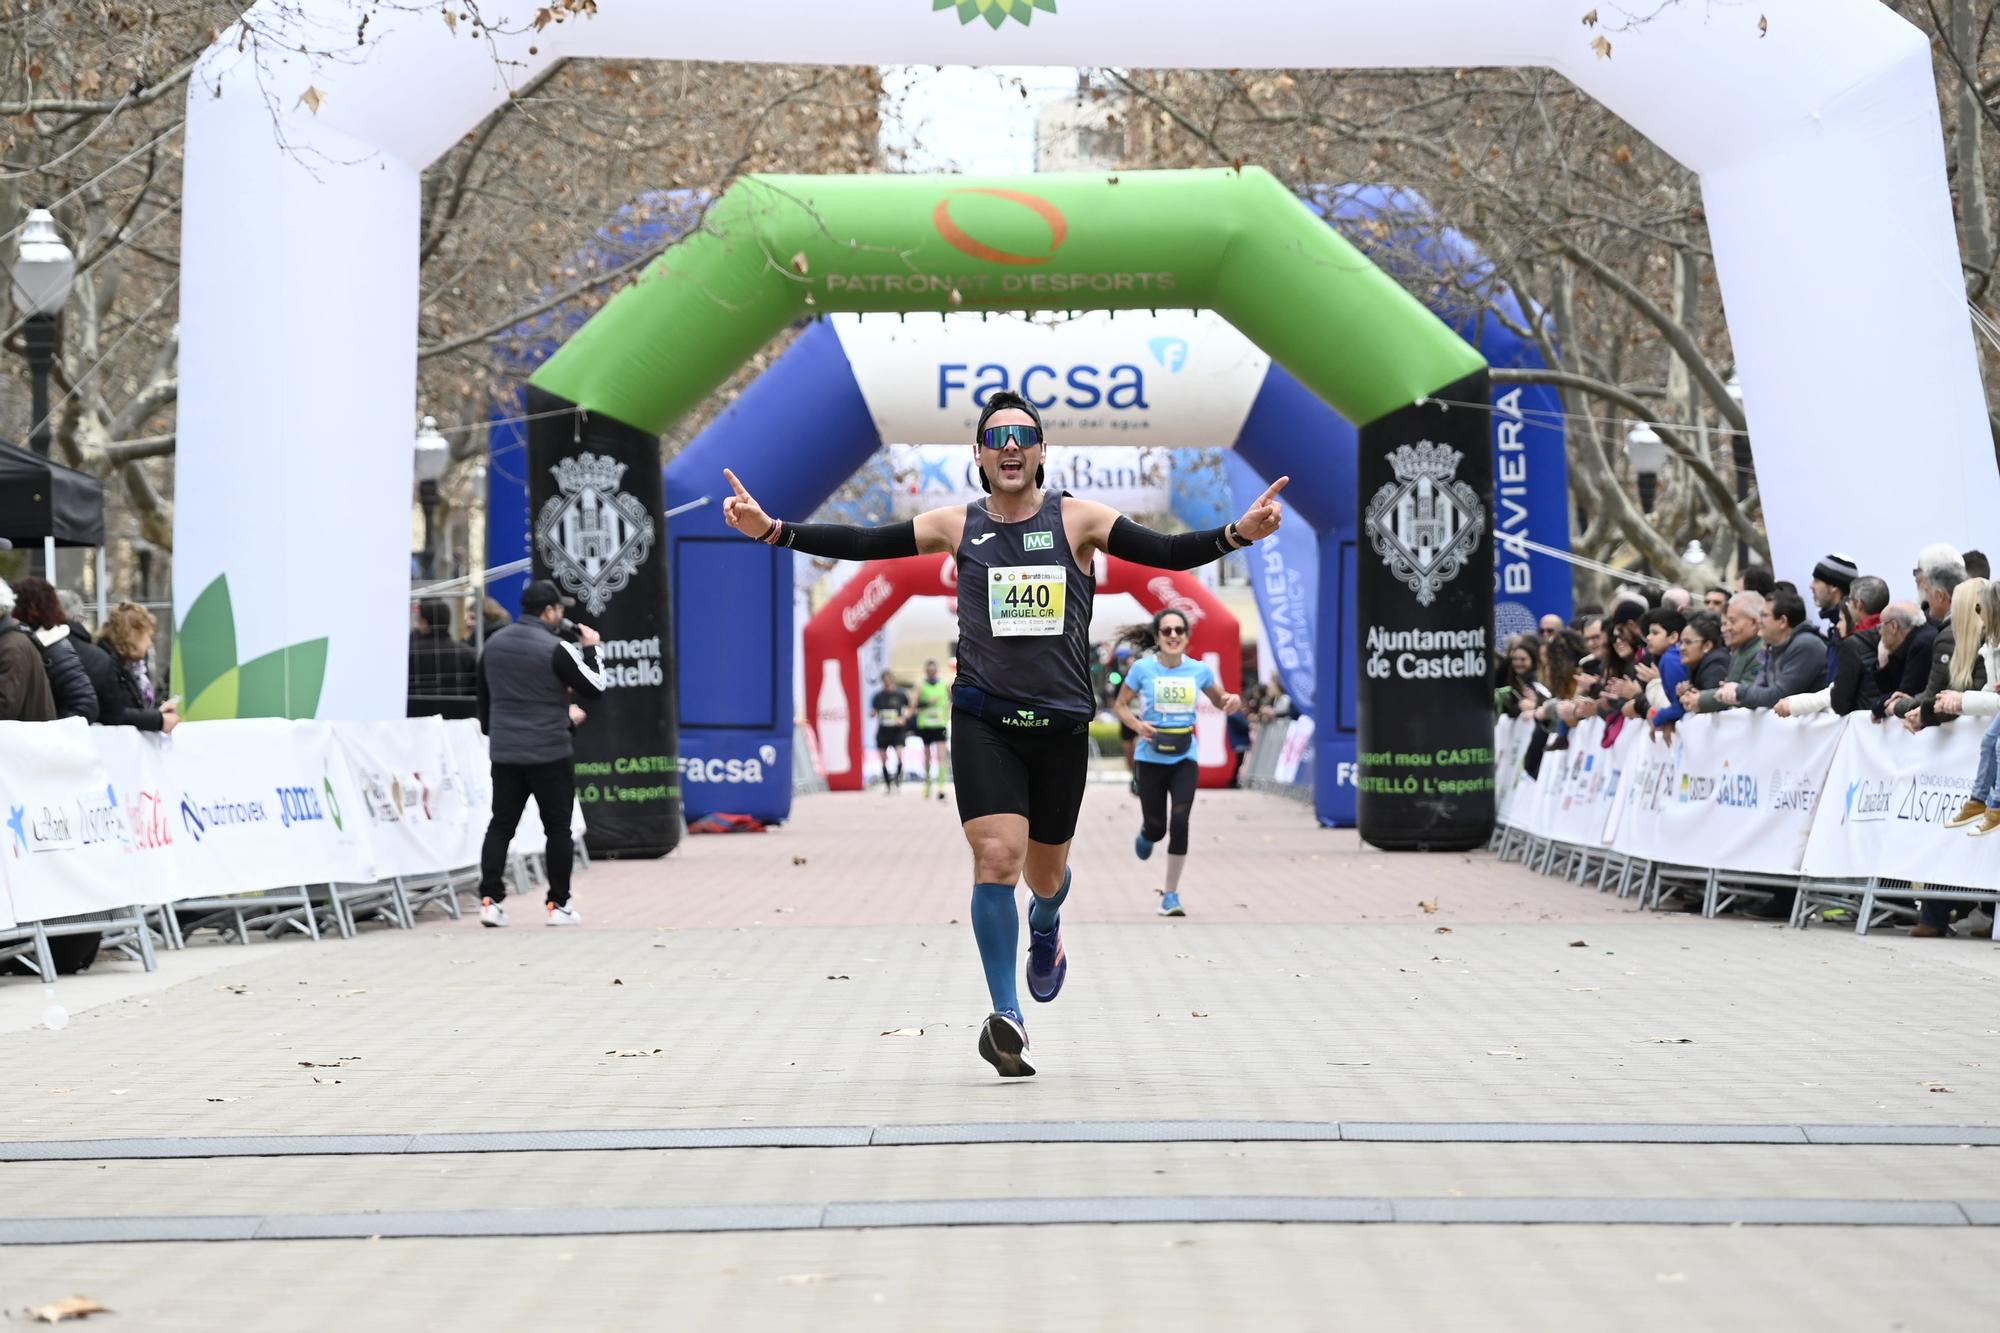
[(736, 485), (1272, 493)]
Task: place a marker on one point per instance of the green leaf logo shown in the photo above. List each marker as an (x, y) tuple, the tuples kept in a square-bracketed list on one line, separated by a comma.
[(212, 684), (996, 12)]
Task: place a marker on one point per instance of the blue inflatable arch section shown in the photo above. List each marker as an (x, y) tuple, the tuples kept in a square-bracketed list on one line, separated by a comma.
[(803, 428)]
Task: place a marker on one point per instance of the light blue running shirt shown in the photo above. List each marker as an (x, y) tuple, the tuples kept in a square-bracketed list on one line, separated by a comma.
[(1166, 697)]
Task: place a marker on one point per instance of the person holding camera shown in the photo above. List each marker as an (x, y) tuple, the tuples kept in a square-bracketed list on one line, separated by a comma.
[(530, 676)]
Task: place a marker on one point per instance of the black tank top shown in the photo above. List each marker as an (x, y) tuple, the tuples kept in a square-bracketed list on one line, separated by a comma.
[(1024, 610)]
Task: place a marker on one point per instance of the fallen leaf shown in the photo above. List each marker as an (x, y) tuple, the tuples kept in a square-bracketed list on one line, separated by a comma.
[(1936, 1087), (1351, 1063), (70, 1307), (343, 994), (222, 1099), (1442, 930), (634, 1053), (841, 977), (785, 909), (1196, 1013), (1578, 944), (904, 1032), (311, 98), (1665, 1041), (1429, 907), (1601, 45), (1583, 988), (1763, 26), (797, 860), (616, 982), (1511, 1055), (318, 1079)]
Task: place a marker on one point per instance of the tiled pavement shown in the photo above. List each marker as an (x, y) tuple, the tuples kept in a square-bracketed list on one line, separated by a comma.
[(1331, 995)]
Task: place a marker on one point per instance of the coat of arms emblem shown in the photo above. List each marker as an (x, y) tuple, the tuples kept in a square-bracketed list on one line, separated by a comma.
[(592, 535), (1426, 522)]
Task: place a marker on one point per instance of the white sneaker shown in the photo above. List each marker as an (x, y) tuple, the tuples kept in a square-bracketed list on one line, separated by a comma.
[(492, 913), (564, 916)]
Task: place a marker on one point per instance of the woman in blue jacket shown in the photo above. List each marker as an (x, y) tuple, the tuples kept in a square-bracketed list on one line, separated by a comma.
[(1157, 701)]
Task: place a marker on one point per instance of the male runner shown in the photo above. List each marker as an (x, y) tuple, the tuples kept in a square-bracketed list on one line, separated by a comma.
[(1022, 703), (933, 714), (891, 706)]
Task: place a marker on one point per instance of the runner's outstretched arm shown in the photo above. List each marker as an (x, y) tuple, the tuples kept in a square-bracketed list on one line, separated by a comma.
[(932, 531), (1118, 535)]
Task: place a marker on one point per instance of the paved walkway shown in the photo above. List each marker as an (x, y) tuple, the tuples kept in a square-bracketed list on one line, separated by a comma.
[(1528, 1103)]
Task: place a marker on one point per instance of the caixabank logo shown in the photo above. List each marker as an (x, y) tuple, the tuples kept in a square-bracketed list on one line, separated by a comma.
[(996, 12)]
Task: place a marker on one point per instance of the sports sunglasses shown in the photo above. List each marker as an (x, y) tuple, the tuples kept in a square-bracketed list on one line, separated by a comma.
[(999, 437)]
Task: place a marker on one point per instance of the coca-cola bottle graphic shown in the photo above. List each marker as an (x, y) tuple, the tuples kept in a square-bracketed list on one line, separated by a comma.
[(830, 719)]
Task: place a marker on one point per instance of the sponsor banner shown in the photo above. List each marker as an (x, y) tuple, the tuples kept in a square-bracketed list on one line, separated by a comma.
[(70, 841), (1298, 739), (1132, 481), (475, 778), (1173, 378), (262, 804), (1512, 787), (1888, 795), (1284, 576), (1584, 782), (1423, 596), (596, 497), (411, 793), (1737, 791)]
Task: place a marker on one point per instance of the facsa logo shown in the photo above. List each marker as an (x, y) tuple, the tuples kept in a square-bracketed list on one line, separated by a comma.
[(723, 770), (1121, 388)]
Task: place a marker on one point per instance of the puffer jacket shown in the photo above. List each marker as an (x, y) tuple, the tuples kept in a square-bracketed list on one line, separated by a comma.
[(69, 683)]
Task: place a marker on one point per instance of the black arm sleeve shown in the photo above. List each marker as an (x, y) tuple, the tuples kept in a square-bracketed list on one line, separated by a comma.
[(577, 668), (1184, 550), (843, 541)]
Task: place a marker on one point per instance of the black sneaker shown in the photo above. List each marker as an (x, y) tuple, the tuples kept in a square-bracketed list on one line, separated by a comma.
[(1003, 1043)]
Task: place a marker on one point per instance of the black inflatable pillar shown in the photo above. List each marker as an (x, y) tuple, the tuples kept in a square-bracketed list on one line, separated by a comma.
[(599, 531), (1425, 624)]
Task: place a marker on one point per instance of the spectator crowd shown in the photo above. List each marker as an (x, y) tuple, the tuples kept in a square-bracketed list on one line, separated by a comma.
[(1923, 661)]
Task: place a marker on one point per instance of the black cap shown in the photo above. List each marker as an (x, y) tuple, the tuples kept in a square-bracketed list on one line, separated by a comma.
[(542, 594)]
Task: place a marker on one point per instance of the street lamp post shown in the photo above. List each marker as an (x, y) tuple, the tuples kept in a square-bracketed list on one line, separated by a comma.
[(433, 456), (1648, 453), (42, 273)]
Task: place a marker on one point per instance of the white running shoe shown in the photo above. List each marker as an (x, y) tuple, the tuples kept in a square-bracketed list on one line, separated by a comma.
[(492, 913), (564, 916)]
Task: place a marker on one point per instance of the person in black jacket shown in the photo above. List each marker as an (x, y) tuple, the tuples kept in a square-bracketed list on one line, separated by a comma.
[(528, 678), (127, 634), (37, 606), (443, 671)]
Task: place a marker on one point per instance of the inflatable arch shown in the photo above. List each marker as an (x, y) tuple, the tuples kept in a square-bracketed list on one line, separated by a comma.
[(1164, 378), (299, 258), (1236, 242), (833, 639)]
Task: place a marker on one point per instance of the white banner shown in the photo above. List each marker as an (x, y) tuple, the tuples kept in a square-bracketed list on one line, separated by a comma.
[(263, 804), (411, 792), (1888, 796), (1582, 783), (67, 835), (1297, 741), (1510, 780), (1736, 791), (475, 775), (1174, 378)]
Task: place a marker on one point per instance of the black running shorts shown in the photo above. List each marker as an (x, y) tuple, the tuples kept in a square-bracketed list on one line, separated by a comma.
[(1002, 772), (890, 738), (931, 735)]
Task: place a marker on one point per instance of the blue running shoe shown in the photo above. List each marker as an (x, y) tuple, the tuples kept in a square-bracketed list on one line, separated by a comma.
[(1047, 964), (1003, 1043), (1170, 904), (1142, 846)]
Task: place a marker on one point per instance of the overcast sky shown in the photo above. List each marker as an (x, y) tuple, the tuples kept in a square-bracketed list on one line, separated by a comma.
[(968, 118)]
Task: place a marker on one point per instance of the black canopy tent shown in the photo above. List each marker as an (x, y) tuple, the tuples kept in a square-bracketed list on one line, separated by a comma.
[(40, 499)]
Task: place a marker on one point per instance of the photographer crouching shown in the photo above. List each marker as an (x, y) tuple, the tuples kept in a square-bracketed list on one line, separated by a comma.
[(530, 675)]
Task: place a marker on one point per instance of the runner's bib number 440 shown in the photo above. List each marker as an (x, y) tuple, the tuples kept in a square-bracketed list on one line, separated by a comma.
[(1026, 600)]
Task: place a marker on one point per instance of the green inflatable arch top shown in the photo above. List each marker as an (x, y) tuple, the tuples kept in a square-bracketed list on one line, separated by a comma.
[(775, 248)]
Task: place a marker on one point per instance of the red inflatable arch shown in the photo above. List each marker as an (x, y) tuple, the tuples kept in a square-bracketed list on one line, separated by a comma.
[(833, 637)]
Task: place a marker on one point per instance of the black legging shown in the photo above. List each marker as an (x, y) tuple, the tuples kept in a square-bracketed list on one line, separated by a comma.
[(1156, 783)]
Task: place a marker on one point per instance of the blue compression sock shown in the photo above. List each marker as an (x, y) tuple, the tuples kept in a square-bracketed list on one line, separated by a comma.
[(996, 925), (1044, 913)]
